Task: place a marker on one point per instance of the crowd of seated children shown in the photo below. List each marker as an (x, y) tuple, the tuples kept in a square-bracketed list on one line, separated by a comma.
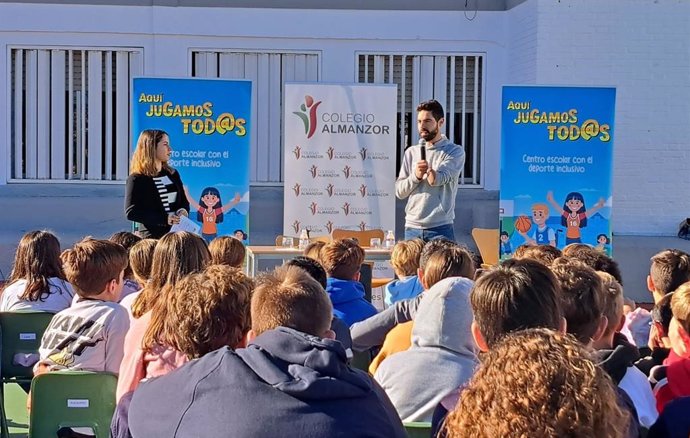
[(203, 312), (518, 294), (193, 345), (582, 293), (175, 255), (618, 356), (444, 262), (372, 332), (291, 380), (342, 260), (37, 281), (405, 262)]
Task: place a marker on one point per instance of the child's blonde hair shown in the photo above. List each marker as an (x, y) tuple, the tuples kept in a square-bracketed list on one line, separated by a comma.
[(405, 257), (453, 261)]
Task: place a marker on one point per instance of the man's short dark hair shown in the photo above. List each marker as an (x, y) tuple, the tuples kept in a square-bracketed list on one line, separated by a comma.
[(434, 107), (516, 295), (313, 268), (670, 268)]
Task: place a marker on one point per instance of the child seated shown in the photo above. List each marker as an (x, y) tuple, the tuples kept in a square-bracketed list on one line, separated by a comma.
[(90, 334), (673, 380), (127, 240), (405, 262), (513, 393), (37, 282), (342, 260), (140, 261)]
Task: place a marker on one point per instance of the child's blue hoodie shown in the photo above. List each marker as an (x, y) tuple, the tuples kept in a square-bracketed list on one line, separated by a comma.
[(402, 289), (348, 301)]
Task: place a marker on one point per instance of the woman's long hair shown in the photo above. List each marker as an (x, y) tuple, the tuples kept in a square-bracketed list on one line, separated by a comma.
[(144, 158)]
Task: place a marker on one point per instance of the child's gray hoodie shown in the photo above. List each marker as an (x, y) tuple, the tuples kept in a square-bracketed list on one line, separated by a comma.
[(442, 356)]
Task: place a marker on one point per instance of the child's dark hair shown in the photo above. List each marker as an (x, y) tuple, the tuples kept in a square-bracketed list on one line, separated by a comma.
[(313, 268), (670, 268), (91, 264), (453, 261), (37, 260), (516, 295)]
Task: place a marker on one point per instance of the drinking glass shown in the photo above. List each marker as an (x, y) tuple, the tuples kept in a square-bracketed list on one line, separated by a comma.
[(375, 242), (287, 242)]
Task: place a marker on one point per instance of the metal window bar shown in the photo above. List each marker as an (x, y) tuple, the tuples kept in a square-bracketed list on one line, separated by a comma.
[(455, 80), (70, 111)]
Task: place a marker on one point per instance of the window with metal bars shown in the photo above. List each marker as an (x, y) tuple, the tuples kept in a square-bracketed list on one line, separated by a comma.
[(269, 71), (456, 81), (70, 113)]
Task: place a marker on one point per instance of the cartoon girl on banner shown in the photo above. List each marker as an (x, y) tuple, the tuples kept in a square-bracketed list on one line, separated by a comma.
[(210, 210), (574, 214)]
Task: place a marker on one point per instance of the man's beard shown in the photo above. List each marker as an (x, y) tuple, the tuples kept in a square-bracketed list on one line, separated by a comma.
[(429, 135)]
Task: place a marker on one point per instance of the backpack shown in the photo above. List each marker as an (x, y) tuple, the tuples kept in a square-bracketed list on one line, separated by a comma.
[(684, 229)]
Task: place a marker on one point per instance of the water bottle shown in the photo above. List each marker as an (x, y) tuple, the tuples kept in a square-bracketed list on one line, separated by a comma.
[(390, 240), (303, 239)]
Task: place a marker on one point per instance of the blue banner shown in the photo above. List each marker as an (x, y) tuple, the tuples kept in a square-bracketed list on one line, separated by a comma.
[(208, 121), (556, 166)]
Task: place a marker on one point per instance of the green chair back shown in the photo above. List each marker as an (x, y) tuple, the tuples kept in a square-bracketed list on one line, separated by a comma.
[(21, 334), (418, 429), (75, 399)]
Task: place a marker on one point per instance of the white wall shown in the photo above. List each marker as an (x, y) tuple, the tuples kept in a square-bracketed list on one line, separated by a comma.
[(167, 35), (638, 46), (641, 48)]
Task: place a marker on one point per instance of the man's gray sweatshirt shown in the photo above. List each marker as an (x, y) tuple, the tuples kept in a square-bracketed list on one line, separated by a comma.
[(430, 206)]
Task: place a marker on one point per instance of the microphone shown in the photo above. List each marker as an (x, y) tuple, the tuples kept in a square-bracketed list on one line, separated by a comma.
[(422, 149)]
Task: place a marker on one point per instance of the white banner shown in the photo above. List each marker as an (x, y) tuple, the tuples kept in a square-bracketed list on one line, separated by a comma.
[(339, 157)]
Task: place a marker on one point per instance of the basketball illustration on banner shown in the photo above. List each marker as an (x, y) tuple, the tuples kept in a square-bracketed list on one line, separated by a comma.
[(523, 224)]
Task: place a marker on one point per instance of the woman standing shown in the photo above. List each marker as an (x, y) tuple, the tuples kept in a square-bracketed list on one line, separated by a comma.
[(154, 195)]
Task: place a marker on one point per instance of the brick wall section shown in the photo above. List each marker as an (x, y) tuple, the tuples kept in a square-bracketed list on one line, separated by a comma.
[(640, 47)]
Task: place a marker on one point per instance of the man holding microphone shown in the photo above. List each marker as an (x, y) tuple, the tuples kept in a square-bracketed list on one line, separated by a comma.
[(429, 177)]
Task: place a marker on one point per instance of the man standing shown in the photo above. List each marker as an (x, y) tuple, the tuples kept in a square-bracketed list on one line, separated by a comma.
[(429, 177)]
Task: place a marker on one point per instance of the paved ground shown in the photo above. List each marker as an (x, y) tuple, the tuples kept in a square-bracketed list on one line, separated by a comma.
[(76, 210)]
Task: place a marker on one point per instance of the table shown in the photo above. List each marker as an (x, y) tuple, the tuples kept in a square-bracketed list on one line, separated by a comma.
[(256, 253)]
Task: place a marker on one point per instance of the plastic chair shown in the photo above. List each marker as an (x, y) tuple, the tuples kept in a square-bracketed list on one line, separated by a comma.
[(418, 429), (81, 400), (21, 337), (487, 241)]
